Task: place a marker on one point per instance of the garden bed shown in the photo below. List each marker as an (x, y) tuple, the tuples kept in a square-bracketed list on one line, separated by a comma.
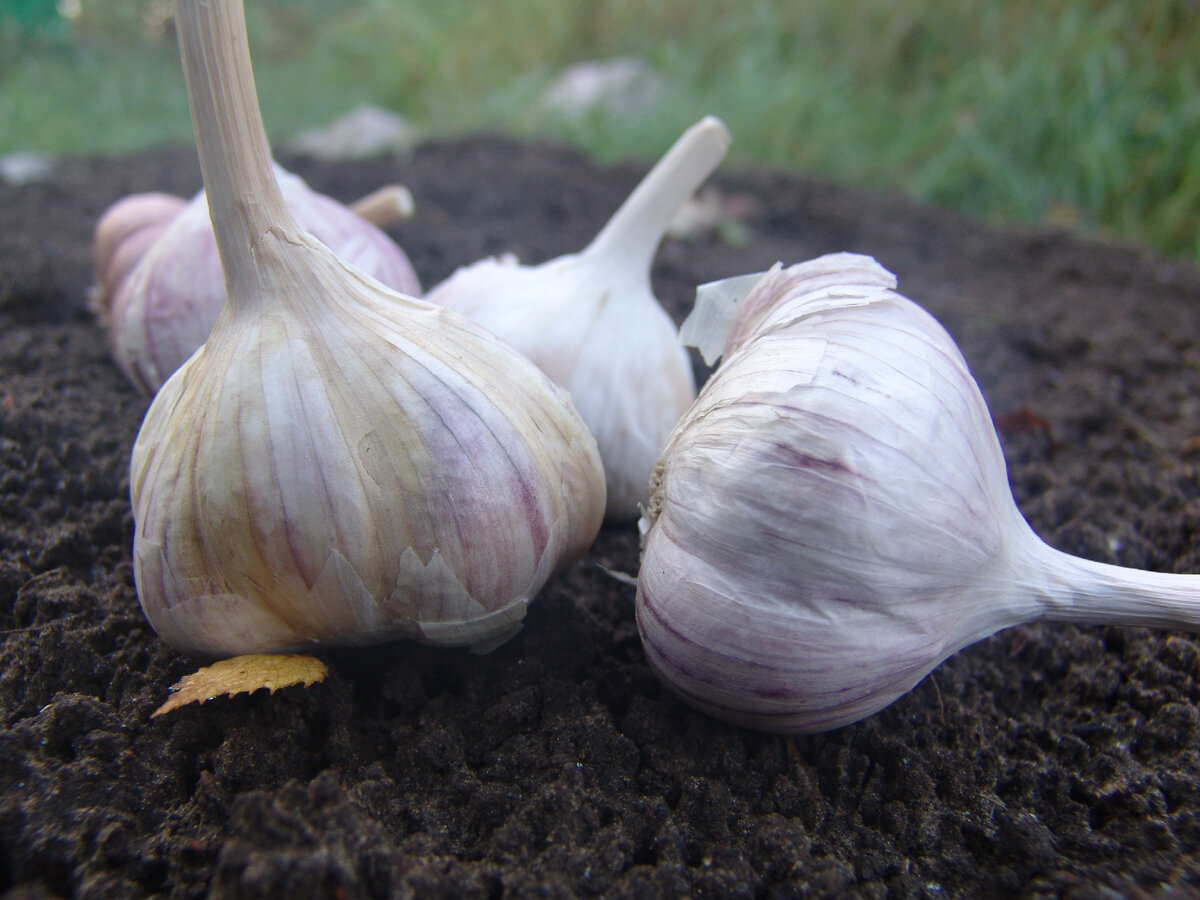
[(1046, 760)]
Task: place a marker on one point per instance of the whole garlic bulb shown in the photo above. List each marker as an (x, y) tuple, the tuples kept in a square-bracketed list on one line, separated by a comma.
[(159, 280), (832, 518), (591, 322), (339, 463)]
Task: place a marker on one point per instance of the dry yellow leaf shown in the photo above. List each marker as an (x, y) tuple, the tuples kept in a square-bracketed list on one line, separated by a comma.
[(243, 675)]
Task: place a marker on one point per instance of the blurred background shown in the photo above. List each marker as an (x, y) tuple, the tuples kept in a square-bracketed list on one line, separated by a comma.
[(1078, 114)]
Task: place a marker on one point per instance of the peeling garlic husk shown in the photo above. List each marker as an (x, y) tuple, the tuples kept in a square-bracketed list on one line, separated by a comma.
[(832, 518), (339, 463), (591, 322), (159, 284)]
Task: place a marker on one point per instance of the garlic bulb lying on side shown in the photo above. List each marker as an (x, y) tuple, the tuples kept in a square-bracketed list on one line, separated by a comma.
[(339, 463), (159, 284), (124, 234), (832, 518), (591, 322)]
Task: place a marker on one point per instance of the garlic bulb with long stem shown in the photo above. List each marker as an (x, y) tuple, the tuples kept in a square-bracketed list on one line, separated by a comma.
[(590, 320), (159, 284), (832, 518), (339, 463)]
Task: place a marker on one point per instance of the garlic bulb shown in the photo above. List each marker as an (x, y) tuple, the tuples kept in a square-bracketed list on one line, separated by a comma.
[(124, 233), (832, 518), (339, 463), (591, 322), (159, 280)]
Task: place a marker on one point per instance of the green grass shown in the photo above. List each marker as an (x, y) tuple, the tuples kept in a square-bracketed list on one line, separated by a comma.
[(1080, 113)]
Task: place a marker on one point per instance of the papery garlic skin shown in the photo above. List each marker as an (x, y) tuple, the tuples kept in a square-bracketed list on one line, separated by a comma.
[(124, 234), (590, 320), (832, 517), (162, 306), (352, 474), (629, 391), (339, 463)]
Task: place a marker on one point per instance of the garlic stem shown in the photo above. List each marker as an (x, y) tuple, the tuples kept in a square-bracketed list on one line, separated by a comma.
[(1083, 591), (591, 322), (636, 229), (390, 203), (235, 157)]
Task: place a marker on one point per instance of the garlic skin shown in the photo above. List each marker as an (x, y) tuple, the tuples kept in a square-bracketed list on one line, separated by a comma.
[(832, 518), (160, 285), (591, 322), (124, 233), (339, 463)]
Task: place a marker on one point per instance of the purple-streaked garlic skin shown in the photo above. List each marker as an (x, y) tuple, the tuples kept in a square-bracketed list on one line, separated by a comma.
[(350, 469), (832, 518), (123, 235), (339, 463), (796, 457), (161, 305)]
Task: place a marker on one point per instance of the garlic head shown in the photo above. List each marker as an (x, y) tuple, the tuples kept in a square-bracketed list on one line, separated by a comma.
[(832, 518), (339, 463), (354, 471), (123, 235), (164, 288), (590, 320)]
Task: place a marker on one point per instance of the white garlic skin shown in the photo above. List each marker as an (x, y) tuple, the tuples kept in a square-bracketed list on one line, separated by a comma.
[(629, 391), (161, 299), (351, 470), (832, 518), (590, 320)]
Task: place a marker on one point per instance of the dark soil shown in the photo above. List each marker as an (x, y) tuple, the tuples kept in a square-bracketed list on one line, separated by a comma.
[(1045, 761)]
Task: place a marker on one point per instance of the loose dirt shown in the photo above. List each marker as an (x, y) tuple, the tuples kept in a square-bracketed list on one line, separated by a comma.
[(1044, 761)]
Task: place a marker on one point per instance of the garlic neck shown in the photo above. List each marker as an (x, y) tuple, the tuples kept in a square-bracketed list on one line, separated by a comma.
[(1086, 592), (636, 229), (235, 158)]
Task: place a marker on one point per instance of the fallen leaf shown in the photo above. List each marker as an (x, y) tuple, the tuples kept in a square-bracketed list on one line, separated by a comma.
[(244, 675)]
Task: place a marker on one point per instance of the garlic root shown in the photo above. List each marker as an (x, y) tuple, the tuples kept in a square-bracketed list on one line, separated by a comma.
[(385, 206)]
